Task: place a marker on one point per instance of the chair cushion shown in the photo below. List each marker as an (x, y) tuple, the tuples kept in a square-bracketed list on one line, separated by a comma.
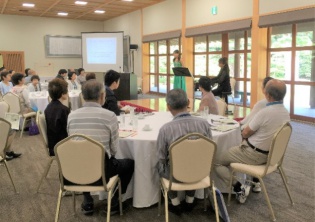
[(186, 186), (31, 114), (81, 188), (254, 170)]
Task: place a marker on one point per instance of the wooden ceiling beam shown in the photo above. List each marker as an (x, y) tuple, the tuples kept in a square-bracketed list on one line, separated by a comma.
[(50, 7), (4, 5), (99, 7)]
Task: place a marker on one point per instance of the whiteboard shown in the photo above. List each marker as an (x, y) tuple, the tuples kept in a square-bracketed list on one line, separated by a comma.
[(63, 46)]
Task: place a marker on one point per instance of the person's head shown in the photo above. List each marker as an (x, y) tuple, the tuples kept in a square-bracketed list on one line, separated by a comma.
[(177, 101), (26, 71), (275, 90), (71, 70), (223, 62), (176, 55), (204, 84), (58, 89), (31, 72), (35, 79), (112, 79), (93, 91), (90, 75), (11, 72), (18, 79), (72, 76), (265, 81), (81, 71), (2, 69), (5, 76), (62, 72)]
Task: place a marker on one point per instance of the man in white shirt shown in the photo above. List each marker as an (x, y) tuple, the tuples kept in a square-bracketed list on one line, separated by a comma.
[(258, 106), (257, 137), (30, 73)]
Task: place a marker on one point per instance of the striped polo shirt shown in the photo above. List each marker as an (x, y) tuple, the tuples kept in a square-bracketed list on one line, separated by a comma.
[(181, 125), (95, 122)]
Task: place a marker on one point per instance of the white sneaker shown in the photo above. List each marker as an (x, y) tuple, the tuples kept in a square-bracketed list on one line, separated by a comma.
[(242, 195), (257, 188)]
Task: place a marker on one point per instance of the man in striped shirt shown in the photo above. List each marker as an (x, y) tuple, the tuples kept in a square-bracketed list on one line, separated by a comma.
[(101, 125), (182, 124)]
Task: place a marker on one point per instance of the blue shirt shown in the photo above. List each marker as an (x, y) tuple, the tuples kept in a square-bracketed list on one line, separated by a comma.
[(4, 88)]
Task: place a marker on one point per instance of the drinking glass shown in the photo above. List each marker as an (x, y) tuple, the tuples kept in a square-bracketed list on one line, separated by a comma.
[(135, 123), (122, 119)]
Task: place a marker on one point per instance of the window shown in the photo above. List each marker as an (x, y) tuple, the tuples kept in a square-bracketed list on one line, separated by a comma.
[(236, 46), (291, 53), (161, 63)]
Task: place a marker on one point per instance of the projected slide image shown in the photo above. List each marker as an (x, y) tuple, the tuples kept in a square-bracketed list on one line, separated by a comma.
[(101, 50)]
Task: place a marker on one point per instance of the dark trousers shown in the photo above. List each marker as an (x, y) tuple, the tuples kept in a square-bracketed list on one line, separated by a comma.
[(124, 168)]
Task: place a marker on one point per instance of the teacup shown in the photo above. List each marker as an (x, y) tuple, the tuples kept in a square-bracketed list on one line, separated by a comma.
[(146, 127)]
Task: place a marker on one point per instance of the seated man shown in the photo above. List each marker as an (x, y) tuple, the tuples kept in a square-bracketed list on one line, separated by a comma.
[(182, 124), (9, 155), (257, 137), (207, 96), (258, 106), (111, 81), (62, 74), (34, 86), (56, 114), (90, 75), (81, 76), (101, 125)]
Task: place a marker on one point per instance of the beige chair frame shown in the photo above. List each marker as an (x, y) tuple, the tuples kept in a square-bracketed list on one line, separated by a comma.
[(4, 108), (222, 106), (41, 123), (197, 181), (25, 116), (4, 136), (90, 146), (275, 158)]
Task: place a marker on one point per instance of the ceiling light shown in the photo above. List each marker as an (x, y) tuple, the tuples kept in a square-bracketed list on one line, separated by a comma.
[(80, 3), (99, 11), (63, 13), (127, 0), (30, 5)]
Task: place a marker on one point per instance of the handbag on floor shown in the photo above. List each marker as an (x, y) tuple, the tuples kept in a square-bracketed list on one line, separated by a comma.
[(33, 128), (224, 215)]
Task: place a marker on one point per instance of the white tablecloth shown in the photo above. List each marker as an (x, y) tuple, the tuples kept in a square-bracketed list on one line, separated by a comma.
[(144, 188), (39, 100), (74, 97)]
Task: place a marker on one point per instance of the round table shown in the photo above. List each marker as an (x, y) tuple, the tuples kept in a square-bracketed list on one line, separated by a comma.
[(39, 100), (144, 187)]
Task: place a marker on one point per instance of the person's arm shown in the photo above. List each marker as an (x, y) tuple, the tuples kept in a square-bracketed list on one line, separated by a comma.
[(220, 78), (162, 147), (247, 132), (1, 89), (114, 136), (182, 62), (204, 102), (253, 125), (112, 105)]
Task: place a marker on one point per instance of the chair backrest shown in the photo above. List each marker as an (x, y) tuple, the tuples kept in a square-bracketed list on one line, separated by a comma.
[(4, 108), (221, 106), (14, 102), (232, 83), (80, 160), (1, 97), (279, 145), (191, 158), (41, 123), (5, 127)]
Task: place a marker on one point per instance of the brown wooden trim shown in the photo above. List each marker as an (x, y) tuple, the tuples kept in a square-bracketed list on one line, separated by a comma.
[(293, 42), (302, 118), (218, 23), (288, 10)]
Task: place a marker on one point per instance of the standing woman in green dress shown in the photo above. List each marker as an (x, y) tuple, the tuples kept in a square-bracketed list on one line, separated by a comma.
[(179, 81)]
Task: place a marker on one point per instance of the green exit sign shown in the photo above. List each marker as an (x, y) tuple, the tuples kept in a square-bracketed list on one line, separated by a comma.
[(214, 10)]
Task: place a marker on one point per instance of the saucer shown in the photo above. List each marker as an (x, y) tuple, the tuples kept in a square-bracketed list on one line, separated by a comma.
[(146, 129)]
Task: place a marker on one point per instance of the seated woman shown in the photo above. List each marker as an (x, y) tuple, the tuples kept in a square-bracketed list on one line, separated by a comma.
[(21, 90), (34, 85), (223, 79), (207, 98), (5, 84), (72, 82), (56, 113), (112, 80)]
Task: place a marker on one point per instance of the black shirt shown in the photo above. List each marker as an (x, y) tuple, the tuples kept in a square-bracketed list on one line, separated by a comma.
[(223, 80), (56, 115), (111, 102)]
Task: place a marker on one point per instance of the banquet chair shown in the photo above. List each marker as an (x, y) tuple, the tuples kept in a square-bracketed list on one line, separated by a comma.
[(191, 167), (275, 158), (4, 108), (85, 169), (15, 107), (221, 106), (5, 127), (41, 123), (1, 97)]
